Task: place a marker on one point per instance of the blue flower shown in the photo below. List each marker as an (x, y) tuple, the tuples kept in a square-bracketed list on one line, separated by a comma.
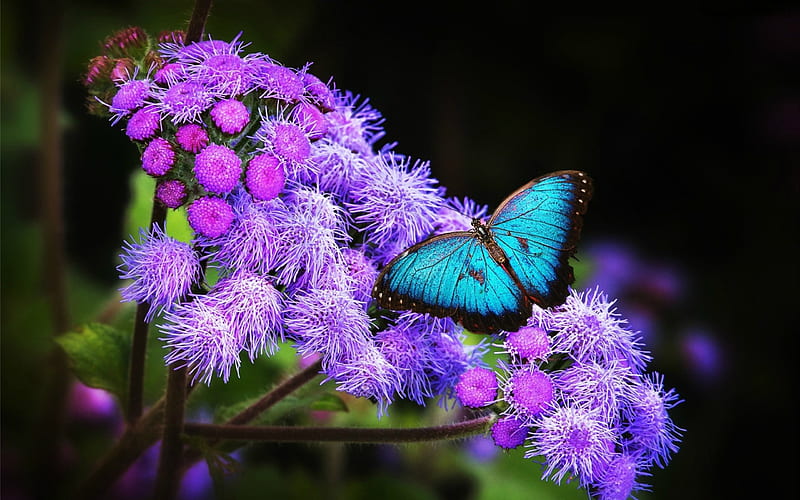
[(162, 268)]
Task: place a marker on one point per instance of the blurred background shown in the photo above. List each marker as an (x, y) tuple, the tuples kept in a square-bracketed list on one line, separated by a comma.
[(689, 125)]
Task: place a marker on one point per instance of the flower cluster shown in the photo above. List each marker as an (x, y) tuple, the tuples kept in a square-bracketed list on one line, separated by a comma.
[(574, 390), (289, 197)]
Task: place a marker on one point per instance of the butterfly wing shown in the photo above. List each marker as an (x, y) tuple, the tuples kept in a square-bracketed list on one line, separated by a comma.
[(453, 275), (538, 227)]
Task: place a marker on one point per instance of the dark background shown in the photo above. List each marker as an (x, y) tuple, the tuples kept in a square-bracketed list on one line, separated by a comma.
[(689, 126)]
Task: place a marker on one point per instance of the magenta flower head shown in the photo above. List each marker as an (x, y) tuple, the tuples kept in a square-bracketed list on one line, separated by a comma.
[(192, 137), (218, 169), (528, 391), (509, 432), (217, 65), (183, 101), (477, 387), (131, 95), (319, 92), (279, 82), (171, 193), (264, 177), (143, 124), (158, 157), (528, 343), (162, 268), (210, 216), (230, 116), (288, 141)]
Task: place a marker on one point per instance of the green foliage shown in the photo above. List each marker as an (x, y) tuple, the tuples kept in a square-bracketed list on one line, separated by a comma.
[(98, 355)]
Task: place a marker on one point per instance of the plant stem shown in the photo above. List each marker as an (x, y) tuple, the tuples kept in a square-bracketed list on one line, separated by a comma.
[(340, 434), (169, 461)]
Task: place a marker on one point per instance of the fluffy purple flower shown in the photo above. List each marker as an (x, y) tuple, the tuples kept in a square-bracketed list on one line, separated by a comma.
[(158, 157), (311, 119), (218, 65), (366, 374), (574, 442), (162, 268), (310, 237), (528, 391), (603, 388), (253, 309), (143, 124), (509, 432), (264, 177), (218, 169), (279, 82), (361, 271), (328, 322), (170, 72), (619, 479), (199, 335), (528, 343), (318, 91), (192, 137), (588, 327), (651, 430), (130, 95), (397, 206), (210, 216), (171, 193), (289, 142), (477, 387), (356, 125), (337, 168), (184, 101), (230, 115), (408, 348), (253, 240), (457, 215)]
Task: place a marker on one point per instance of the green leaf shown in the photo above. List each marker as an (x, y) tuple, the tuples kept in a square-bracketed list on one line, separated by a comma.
[(329, 402), (314, 399), (99, 354)]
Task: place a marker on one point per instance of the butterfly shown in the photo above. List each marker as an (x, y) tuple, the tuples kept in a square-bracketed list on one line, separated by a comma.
[(487, 278)]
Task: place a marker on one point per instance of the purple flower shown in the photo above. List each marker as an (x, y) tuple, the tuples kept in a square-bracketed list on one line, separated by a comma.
[(253, 309), (318, 91), (143, 124), (366, 374), (328, 322), (408, 347), (651, 430), (598, 387), (171, 193), (170, 72), (310, 237), (183, 101), (218, 66), (337, 168), (477, 387), (192, 137), (218, 169), (279, 82), (311, 119), (230, 116), (528, 343), (619, 479), (457, 215), (162, 268), (210, 216), (264, 177), (396, 207), (361, 271), (527, 390), (130, 95), (289, 142), (158, 157), (253, 240), (509, 432), (588, 327), (199, 336), (355, 125), (574, 442)]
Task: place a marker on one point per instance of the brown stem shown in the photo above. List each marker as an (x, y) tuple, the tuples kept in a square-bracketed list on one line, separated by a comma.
[(169, 462), (340, 434), (197, 24)]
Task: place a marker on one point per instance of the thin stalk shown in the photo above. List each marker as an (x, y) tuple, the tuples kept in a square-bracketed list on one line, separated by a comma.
[(340, 434)]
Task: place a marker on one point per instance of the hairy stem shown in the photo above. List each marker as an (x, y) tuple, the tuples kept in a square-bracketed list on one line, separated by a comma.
[(340, 434), (169, 461)]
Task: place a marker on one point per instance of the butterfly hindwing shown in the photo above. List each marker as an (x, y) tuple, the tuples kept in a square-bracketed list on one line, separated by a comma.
[(453, 275), (538, 227)]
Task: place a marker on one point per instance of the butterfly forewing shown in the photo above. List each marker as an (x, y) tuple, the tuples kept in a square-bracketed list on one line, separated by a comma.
[(538, 228)]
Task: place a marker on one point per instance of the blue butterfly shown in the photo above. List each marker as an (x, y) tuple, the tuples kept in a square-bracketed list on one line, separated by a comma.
[(487, 278)]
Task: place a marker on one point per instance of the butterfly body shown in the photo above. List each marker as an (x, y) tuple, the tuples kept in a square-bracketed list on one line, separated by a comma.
[(488, 277)]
